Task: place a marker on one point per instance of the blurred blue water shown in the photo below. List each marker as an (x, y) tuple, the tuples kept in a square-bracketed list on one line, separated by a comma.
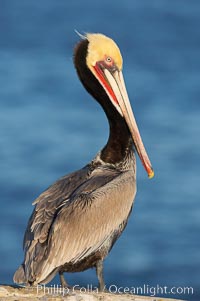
[(50, 126)]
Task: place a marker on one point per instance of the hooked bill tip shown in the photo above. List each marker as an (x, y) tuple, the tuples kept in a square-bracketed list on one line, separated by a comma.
[(151, 174)]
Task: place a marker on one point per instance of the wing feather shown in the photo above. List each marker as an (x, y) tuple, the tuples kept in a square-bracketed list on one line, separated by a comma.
[(48, 203), (71, 220), (78, 233)]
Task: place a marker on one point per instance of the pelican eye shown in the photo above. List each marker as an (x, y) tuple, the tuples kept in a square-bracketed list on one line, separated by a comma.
[(109, 63), (108, 59)]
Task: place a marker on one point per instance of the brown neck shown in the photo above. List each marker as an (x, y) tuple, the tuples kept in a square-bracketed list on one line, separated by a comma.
[(120, 142)]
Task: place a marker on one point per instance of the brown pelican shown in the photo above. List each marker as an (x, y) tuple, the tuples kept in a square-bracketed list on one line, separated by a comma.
[(77, 220)]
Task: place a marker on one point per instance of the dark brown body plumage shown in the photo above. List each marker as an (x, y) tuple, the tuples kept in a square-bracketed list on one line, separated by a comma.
[(83, 202)]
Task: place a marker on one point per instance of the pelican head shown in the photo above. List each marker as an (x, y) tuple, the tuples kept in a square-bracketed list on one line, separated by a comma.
[(104, 60)]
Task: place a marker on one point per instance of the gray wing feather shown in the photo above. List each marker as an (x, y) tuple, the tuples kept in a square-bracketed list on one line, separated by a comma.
[(47, 205), (77, 233), (36, 235), (70, 219)]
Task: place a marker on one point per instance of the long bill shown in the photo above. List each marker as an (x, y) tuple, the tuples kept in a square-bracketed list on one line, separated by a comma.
[(116, 90)]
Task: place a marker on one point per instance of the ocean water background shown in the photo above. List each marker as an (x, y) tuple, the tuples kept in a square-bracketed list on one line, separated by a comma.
[(50, 126)]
